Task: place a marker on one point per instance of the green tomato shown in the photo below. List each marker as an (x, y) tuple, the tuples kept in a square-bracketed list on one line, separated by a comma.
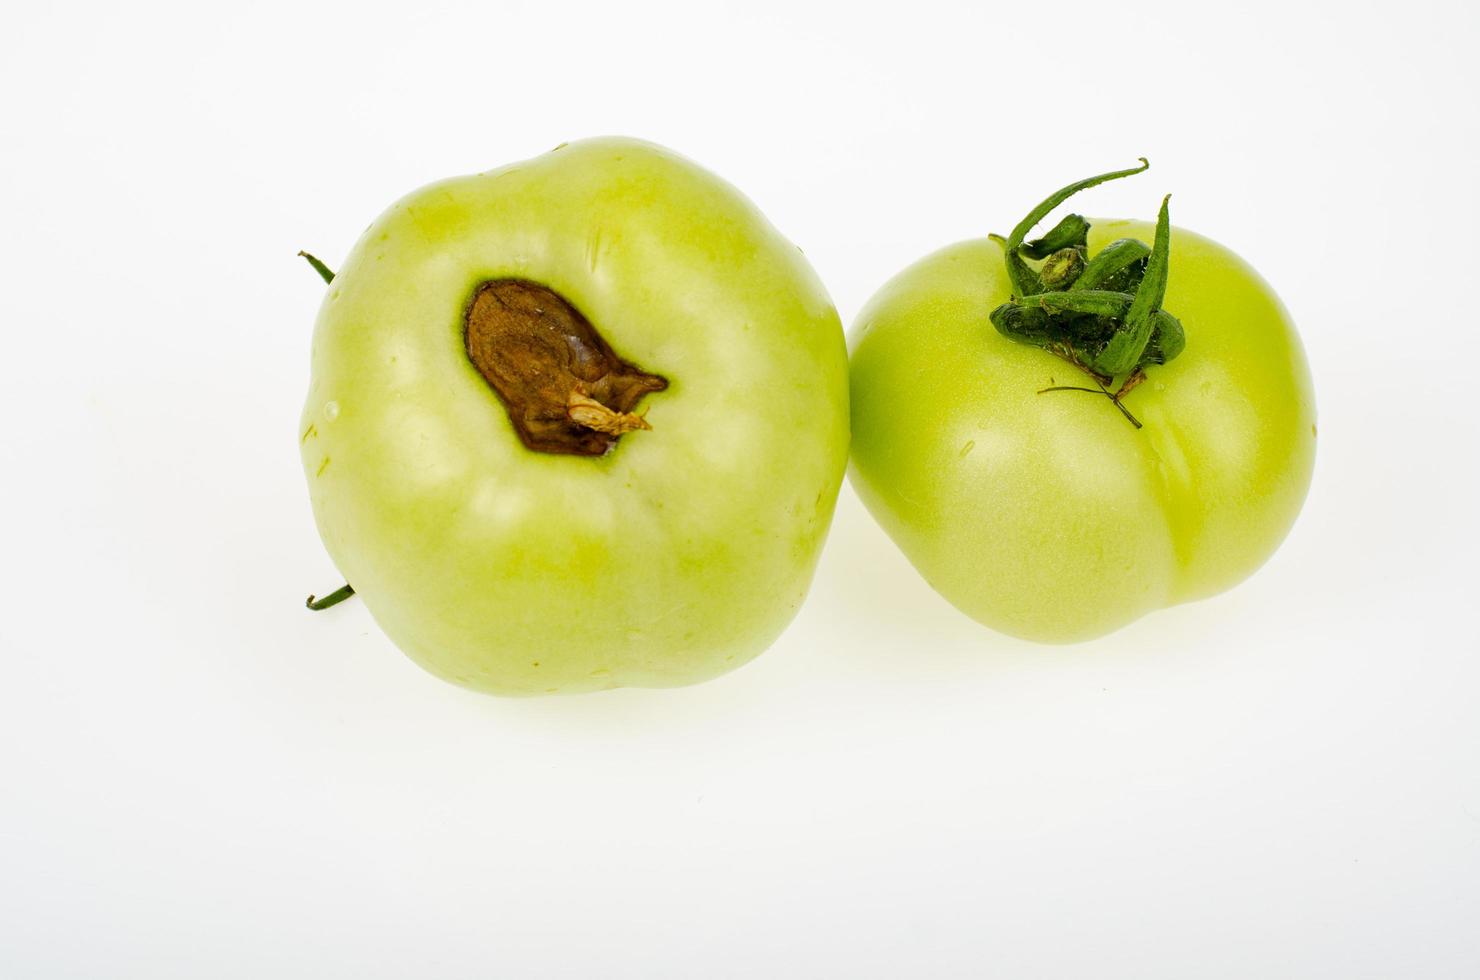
[(1048, 515), (577, 423)]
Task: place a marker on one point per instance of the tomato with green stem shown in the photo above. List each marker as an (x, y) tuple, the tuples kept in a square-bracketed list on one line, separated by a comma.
[(1048, 514)]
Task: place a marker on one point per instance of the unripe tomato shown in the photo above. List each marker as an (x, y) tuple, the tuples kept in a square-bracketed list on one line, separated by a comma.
[(1046, 514), (577, 423)]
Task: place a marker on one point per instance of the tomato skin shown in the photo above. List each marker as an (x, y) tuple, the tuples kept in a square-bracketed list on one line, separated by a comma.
[(1048, 516)]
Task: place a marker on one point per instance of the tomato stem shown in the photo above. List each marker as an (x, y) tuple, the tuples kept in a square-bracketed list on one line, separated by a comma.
[(1103, 313), (1101, 390), (332, 599), (319, 267), (1122, 354), (1114, 258), (1023, 278)]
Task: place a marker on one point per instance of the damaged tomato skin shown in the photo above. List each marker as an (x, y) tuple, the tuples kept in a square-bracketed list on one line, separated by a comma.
[(681, 553), (1048, 516)]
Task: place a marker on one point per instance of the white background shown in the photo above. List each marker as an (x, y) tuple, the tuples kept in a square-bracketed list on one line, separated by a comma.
[(200, 779)]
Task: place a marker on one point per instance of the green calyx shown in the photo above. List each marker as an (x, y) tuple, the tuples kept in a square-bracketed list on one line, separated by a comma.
[(1101, 313)]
